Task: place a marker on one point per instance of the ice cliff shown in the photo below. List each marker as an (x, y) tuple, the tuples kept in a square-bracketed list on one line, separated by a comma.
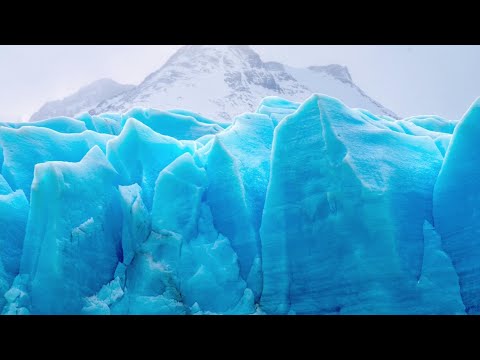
[(311, 208)]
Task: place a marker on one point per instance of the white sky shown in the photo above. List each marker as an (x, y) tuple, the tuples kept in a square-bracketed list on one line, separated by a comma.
[(410, 80)]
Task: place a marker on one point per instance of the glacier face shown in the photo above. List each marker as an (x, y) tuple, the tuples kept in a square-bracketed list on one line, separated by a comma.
[(296, 208)]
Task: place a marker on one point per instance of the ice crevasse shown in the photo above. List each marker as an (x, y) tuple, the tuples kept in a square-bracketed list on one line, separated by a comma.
[(311, 208)]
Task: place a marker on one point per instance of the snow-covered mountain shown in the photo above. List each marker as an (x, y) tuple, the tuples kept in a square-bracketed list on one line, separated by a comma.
[(83, 100), (222, 81)]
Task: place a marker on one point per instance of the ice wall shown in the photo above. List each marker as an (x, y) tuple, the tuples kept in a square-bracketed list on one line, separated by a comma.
[(311, 208)]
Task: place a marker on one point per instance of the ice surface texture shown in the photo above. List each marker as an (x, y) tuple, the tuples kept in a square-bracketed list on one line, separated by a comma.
[(311, 208)]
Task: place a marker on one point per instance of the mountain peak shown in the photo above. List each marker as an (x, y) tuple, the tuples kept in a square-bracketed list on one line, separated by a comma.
[(226, 80), (102, 82), (83, 100), (221, 48), (102, 85), (220, 81), (338, 71), (213, 53)]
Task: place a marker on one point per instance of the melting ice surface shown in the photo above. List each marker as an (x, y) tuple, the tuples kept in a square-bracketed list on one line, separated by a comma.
[(310, 208)]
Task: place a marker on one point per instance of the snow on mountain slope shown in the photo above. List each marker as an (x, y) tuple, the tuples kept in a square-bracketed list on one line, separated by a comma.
[(335, 80), (81, 101), (222, 81)]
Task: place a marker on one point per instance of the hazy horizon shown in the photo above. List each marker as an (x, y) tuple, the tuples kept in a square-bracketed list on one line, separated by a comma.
[(409, 80)]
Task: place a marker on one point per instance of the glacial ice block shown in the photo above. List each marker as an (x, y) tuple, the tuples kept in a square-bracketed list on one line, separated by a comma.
[(457, 206), (178, 193), (17, 297), (439, 278), (179, 126), (25, 147), (340, 198), (248, 141), (60, 124), (72, 245), (209, 266), (227, 200), (139, 154), (443, 142), (13, 220), (199, 117), (276, 108), (101, 124), (433, 123), (136, 221)]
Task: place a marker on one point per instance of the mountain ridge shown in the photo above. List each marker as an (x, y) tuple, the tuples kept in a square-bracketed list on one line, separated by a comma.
[(86, 97), (222, 81), (232, 79)]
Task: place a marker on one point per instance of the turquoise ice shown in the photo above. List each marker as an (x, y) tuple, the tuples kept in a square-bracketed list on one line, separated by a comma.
[(310, 208)]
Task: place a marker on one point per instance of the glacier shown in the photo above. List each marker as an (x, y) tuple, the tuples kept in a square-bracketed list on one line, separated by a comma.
[(296, 208)]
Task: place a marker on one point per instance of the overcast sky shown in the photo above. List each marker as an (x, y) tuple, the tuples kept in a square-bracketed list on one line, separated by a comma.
[(410, 80)]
